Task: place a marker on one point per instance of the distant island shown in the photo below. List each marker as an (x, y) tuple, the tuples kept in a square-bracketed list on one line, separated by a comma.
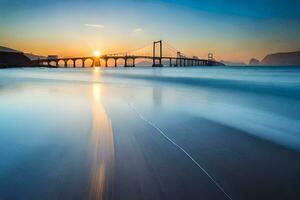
[(279, 59), (232, 63)]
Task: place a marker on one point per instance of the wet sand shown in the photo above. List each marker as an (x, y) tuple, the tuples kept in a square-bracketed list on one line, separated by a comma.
[(90, 135)]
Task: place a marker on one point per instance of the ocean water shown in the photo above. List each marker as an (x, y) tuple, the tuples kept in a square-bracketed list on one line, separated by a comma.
[(87, 133)]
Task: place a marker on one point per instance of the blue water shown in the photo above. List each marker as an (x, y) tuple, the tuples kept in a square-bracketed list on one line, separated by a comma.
[(55, 123), (261, 101)]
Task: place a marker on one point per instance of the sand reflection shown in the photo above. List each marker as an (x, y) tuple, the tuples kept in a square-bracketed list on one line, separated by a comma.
[(103, 149)]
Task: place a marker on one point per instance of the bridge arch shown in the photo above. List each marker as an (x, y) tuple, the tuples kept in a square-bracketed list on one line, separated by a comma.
[(111, 61), (130, 62), (120, 62), (61, 63), (79, 63), (53, 63), (88, 62), (70, 62)]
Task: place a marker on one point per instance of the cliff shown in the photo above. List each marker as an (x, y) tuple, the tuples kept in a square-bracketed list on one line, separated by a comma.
[(254, 61), (14, 59), (286, 58), (6, 49)]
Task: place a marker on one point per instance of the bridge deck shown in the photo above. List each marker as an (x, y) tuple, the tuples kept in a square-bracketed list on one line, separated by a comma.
[(181, 60)]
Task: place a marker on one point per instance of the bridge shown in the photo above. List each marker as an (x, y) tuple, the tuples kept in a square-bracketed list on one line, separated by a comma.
[(161, 54)]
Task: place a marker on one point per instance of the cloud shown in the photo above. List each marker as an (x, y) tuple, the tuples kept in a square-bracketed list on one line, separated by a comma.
[(136, 30), (94, 25)]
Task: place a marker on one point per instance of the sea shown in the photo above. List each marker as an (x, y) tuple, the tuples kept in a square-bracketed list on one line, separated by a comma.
[(150, 133)]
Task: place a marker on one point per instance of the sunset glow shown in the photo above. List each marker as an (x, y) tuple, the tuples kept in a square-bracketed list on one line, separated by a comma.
[(232, 31), (97, 54)]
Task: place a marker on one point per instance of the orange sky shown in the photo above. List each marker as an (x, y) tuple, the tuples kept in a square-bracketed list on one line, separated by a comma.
[(76, 29)]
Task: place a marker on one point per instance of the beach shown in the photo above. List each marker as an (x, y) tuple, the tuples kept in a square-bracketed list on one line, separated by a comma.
[(150, 133)]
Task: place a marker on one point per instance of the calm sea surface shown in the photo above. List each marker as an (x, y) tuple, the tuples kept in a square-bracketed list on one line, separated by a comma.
[(115, 133)]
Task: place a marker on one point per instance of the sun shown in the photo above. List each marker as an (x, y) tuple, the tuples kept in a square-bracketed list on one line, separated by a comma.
[(97, 53)]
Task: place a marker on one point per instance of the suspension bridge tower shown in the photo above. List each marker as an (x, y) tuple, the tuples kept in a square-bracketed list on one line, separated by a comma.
[(159, 58)]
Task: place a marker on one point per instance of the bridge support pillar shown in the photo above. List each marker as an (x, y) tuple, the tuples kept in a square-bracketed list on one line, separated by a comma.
[(115, 62), (133, 62), (160, 54), (125, 62), (74, 63), (159, 62), (65, 63), (170, 62), (96, 62), (83, 63), (105, 61)]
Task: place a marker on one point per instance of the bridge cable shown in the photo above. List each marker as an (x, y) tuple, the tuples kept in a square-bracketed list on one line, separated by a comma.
[(129, 51), (181, 53)]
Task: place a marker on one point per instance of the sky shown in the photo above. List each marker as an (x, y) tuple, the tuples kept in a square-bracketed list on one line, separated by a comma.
[(233, 30)]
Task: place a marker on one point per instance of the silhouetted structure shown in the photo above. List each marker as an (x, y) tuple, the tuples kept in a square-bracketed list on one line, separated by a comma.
[(160, 54), (180, 58)]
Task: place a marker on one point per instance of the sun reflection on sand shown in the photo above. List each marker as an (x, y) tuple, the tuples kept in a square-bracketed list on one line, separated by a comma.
[(103, 148)]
